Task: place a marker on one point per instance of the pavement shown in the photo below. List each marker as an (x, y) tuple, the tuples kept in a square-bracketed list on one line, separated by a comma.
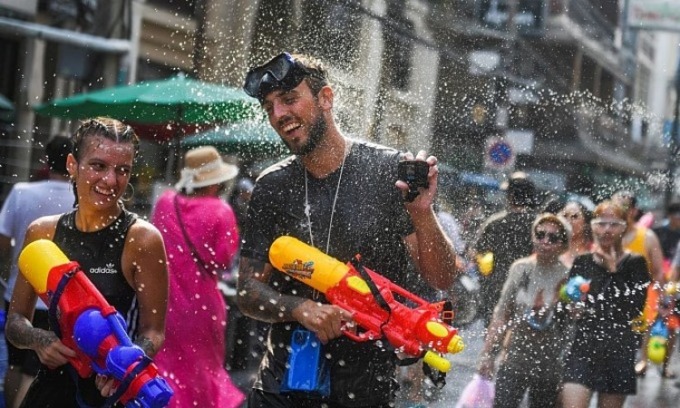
[(653, 391)]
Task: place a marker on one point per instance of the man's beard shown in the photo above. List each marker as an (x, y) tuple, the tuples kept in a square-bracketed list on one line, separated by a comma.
[(316, 134)]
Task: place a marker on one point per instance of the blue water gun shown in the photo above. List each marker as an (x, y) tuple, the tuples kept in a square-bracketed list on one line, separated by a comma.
[(574, 290)]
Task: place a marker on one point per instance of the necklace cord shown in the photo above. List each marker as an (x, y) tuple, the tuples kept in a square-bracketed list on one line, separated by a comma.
[(335, 200), (308, 210)]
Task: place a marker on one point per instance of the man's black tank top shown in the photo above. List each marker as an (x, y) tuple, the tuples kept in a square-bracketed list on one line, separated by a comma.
[(99, 254)]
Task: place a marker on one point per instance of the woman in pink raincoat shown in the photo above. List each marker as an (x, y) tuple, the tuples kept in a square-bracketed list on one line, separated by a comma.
[(201, 239)]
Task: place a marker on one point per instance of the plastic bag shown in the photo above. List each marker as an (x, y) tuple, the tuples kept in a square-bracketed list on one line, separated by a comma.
[(478, 393)]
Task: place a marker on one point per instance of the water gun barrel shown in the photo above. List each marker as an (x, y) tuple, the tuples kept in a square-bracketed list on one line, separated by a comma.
[(37, 260), (306, 263)]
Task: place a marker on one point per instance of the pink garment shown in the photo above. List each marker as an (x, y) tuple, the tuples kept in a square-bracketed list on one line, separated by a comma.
[(192, 357)]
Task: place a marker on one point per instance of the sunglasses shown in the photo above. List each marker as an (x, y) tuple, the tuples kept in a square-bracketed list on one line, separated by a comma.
[(552, 237), (281, 72), (602, 223)]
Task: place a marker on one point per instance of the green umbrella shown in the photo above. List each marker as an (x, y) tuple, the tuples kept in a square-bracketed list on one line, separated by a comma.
[(5, 104), (6, 109), (177, 100), (248, 140)]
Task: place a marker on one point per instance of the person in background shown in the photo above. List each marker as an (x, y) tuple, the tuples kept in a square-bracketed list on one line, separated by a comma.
[(26, 203), (669, 234), (674, 318), (528, 310), (581, 241), (202, 239), (239, 200), (669, 238), (644, 242), (451, 226), (343, 197), (640, 240), (507, 236), (122, 255), (602, 356)]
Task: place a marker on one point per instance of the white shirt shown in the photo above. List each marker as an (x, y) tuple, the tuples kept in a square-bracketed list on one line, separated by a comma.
[(25, 203)]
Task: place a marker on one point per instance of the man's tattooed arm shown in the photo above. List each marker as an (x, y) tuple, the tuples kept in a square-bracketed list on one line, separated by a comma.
[(260, 301), (21, 333), (147, 345)]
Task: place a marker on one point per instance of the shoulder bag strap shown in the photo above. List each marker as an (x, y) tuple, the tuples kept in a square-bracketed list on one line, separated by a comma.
[(197, 257)]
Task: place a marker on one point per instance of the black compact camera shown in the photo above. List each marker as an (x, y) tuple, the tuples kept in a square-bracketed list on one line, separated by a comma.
[(414, 173)]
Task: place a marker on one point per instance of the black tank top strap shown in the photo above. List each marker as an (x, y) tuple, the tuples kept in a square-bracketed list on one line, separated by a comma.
[(99, 254)]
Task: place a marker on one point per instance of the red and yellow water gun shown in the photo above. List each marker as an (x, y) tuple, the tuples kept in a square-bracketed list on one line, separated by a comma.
[(417, 331)]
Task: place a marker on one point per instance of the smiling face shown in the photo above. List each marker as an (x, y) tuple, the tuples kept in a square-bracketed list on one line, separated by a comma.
[(298, 116), (102, 172)]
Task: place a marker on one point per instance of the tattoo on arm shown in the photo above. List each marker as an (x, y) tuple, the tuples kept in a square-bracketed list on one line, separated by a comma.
[(147, 345), (257, 299), (22, 334)]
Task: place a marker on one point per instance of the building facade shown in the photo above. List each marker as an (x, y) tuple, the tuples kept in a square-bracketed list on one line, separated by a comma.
[(554, 86)]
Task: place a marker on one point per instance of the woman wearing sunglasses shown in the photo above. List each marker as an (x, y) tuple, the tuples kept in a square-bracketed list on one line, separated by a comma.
[(602, 355), (527, 307)]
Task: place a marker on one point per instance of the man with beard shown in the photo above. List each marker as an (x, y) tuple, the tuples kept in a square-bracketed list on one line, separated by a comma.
[(341, 196)]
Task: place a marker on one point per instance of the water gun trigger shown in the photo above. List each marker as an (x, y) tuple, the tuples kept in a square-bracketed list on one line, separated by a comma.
[(360, 337), (351, 330)]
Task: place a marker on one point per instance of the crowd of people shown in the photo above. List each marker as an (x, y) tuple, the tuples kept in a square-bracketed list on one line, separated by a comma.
[(343, 196)]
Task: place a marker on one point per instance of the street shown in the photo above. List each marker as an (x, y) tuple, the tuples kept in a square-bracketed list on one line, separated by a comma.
[(653, 392)]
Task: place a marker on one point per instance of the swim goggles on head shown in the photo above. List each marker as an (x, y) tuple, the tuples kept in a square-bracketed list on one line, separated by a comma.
[(281, 72)]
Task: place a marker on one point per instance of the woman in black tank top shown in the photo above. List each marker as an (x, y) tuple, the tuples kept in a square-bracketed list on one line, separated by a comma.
[(123, 256)]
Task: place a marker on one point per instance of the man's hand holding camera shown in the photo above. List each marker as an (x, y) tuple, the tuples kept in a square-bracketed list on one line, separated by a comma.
[(418, 181)]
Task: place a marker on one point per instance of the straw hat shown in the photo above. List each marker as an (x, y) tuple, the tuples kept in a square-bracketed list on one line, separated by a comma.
[(203, 166)]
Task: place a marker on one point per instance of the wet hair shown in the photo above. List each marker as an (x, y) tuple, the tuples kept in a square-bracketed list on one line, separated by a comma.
[(108, 128), (673, 208), (628, 196), (564, 229), (587, 217), (553, 205), (521, 191), (318, 77), (618, 210), (57, 150)]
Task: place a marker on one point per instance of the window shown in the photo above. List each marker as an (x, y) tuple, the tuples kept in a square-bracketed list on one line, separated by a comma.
[(185, 7), (398, 32), (334, 28)]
